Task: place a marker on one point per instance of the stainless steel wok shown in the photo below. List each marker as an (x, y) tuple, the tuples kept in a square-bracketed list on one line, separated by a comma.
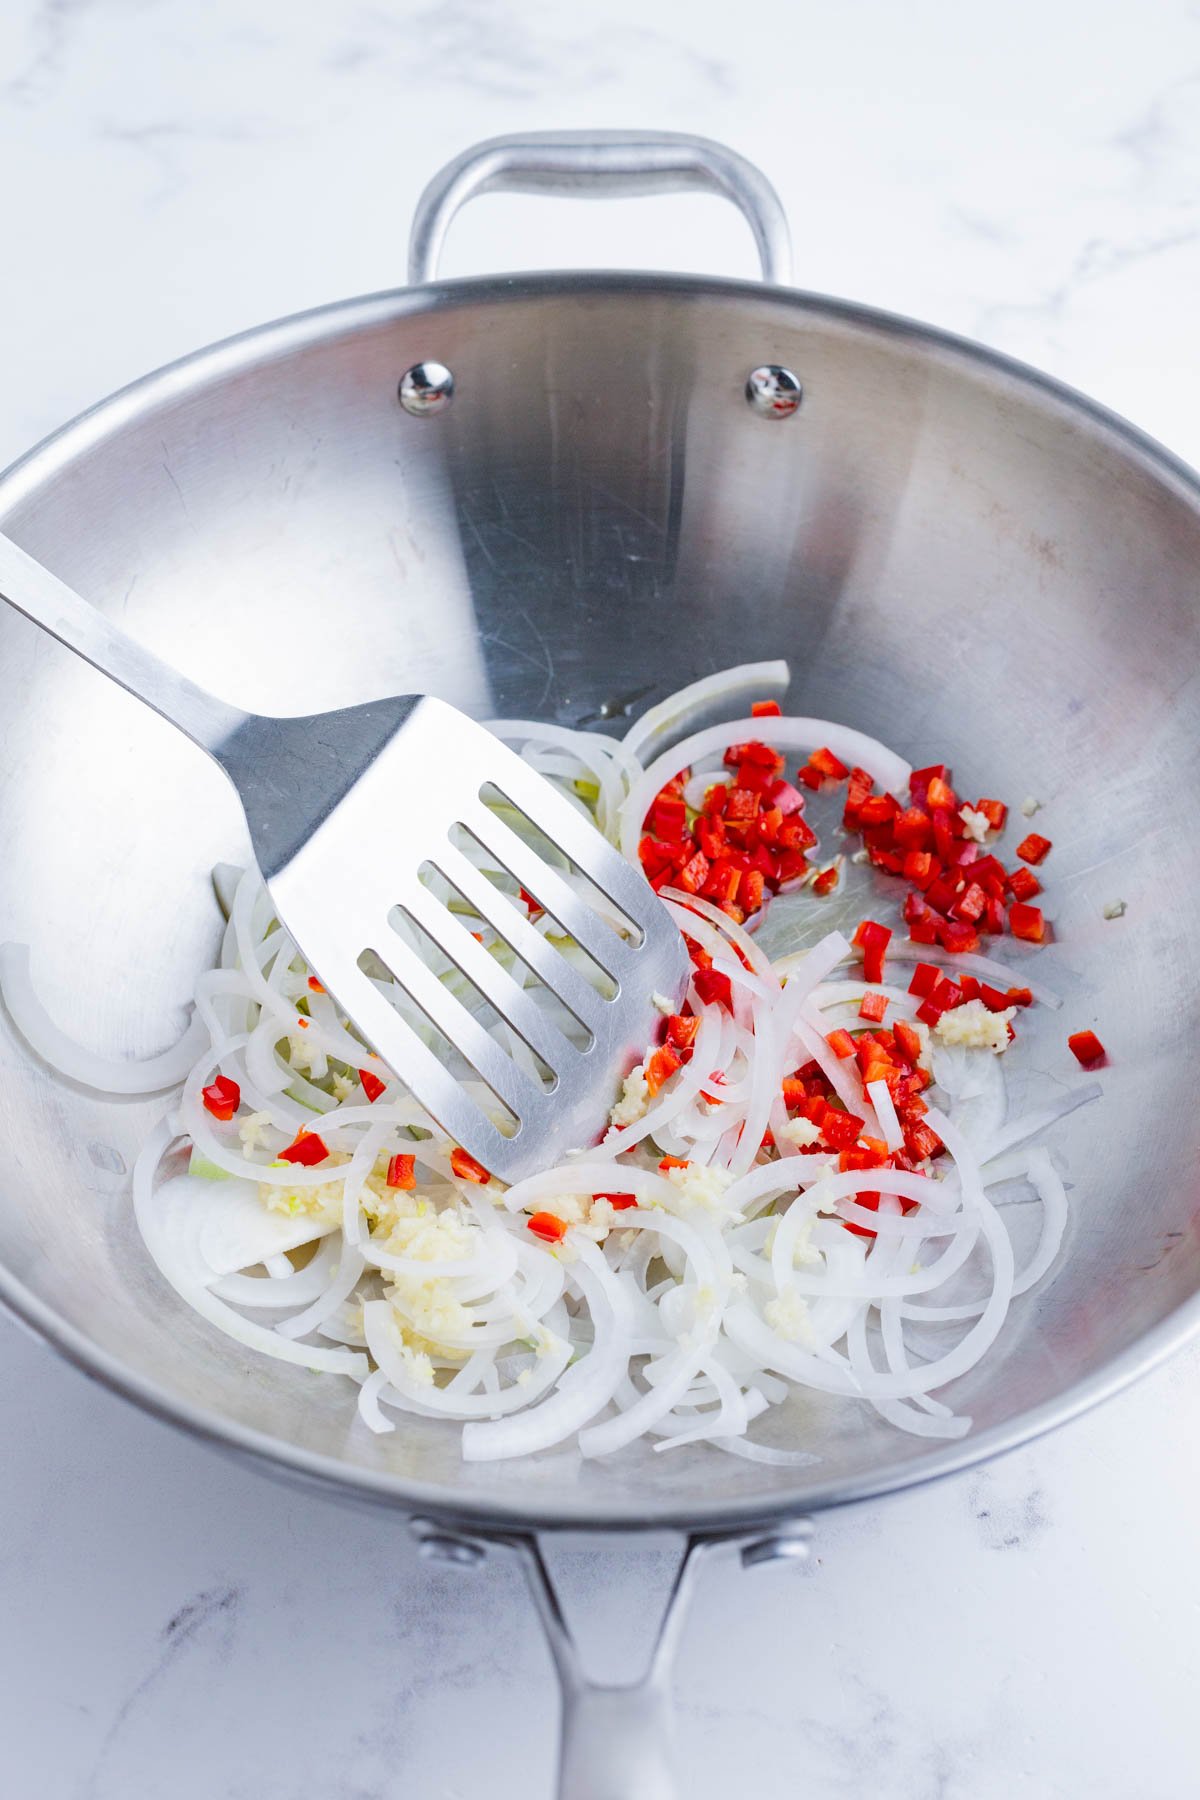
[(551, 495)]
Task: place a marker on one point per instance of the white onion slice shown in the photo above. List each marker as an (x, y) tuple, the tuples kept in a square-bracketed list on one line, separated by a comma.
[(106, 1074)]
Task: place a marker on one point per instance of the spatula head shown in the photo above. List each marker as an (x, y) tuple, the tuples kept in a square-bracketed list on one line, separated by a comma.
[(419, 825)]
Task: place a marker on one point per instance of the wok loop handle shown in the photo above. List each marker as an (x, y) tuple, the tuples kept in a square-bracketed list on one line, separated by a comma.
[(616, 1740), (599, 165)]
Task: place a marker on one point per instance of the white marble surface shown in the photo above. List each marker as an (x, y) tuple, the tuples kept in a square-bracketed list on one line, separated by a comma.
[(1028, 174)]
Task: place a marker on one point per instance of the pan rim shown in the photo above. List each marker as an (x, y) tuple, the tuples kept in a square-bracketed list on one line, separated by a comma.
[(278, 338)]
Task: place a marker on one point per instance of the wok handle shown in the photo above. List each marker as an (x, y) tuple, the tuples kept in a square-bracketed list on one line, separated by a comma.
[(599, 165), (616, 1741)]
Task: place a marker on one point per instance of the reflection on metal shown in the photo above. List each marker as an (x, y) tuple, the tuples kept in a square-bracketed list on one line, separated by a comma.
[(774, 391), (428, 387)]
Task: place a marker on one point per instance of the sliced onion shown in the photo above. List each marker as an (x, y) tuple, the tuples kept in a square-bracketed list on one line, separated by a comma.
[(106, 1074)]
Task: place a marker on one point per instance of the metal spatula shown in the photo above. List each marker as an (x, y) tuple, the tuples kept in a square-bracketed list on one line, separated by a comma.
[(345, 809)]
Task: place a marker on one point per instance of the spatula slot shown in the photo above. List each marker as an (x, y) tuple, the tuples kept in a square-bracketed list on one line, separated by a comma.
[(494, 998), (586, 880)]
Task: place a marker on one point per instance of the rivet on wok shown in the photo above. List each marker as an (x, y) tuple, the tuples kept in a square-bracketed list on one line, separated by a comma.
[(427, 387), (773, 391)]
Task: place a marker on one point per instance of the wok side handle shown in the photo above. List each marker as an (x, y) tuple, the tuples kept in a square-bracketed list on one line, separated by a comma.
[(616, 1741), (599, 165)]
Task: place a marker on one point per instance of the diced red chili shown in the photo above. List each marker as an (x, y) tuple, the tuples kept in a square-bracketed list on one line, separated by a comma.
[(618, 1202), (666, 1163), (466, 1168), (994, 811), (828, 765), (660, 1067), (765, 709), (1024, 884), (840, 1129), (939, 793), (307, 1149), (868, 1155), (925, 978), (1019, 996), (873, 939), (908, 1042), (681, 1031), (928, 1013), (223, 1098), (401, 1171), (371, 1085), (750, 897), (873, 1007), (742, 804), (946, 994), (1086, 1048), (841, 1043), (1034, 849), (714, 988), (692, 876), (958, 936), (921, 867), (315, 985), (547, 1226), (668, 818), (826, 881), (971, 904), (878, 809), (1027, 922), (921, 1140), (914, 829), (993, 999)]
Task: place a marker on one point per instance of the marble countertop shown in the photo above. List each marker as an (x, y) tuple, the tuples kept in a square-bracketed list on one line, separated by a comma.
[(176, 1625)]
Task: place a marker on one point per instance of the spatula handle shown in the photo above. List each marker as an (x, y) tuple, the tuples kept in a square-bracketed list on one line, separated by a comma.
[(58, 609)]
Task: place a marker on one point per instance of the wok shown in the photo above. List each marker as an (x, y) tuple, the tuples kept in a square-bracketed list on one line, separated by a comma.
[(555, 494)]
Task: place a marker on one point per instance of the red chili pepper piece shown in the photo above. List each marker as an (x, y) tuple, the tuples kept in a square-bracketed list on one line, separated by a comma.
[(223, 1098), (1034, 849), (466, 1168), (928, 1013), (1019, 996), (1027, 922), (970, 905), (671, 1162), (994, 811), (921, 1140), (401, 1171), (547, 1226), (925, 978), (765, 709), (1024, 884), (841, 1043), (826, 881), (681, 1032), (873, 940), (714, 988), (908, 1042), (668, 818), (840, 1129), (826, 764), (315, 985), (873, 1007), (1086, 1048), (308, 1150), (660, 1067), (371, 1085), (618, 1202), (939, 793)]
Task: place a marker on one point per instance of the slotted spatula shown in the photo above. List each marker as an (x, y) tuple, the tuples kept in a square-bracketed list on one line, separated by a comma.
[(344, 810)]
